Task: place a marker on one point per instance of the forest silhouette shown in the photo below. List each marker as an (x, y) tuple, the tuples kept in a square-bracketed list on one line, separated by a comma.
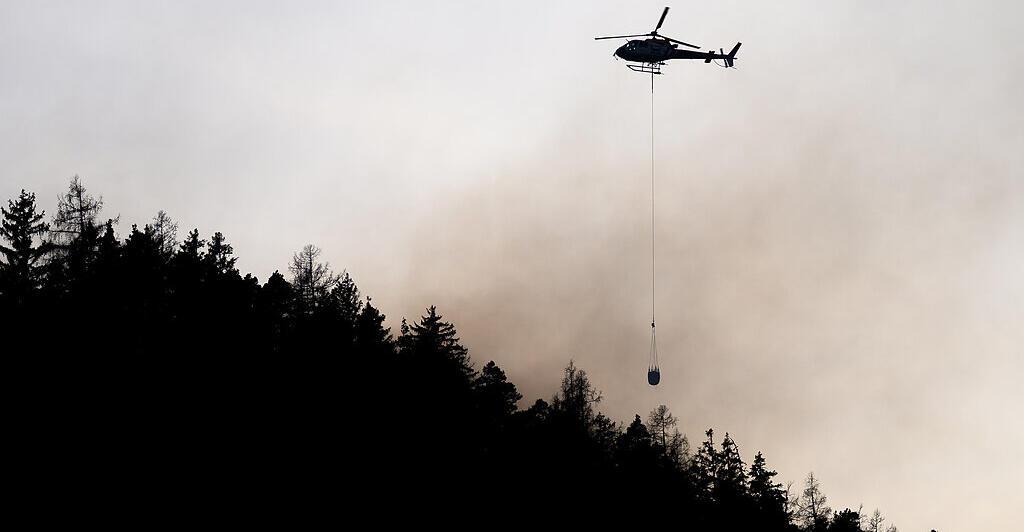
[(146, 359)]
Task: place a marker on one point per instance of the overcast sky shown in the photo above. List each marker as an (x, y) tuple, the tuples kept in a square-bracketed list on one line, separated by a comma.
[(840, 219)]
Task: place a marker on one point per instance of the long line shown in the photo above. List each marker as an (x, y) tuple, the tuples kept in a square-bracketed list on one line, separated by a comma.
[(652, 203)]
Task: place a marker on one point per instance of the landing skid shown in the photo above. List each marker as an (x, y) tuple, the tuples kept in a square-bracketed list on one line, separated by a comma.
[(646, 68)]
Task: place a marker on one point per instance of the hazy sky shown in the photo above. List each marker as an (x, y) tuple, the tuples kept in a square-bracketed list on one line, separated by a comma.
[(841, 218)]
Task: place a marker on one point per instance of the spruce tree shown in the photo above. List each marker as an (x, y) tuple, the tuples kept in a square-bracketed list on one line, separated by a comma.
[(218, 256), (704, 468), (768, 496), (496, 396), (730, 475), (435, 344), (22, 227), (372, 339)]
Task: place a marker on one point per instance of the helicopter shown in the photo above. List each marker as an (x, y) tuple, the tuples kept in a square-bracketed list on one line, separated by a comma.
[(650, 54)]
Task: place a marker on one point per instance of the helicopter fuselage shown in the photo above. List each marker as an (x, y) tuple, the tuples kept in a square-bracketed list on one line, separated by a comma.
[(657, 51)]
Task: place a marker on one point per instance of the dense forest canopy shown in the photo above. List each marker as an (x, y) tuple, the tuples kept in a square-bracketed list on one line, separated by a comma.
[(155, 336)]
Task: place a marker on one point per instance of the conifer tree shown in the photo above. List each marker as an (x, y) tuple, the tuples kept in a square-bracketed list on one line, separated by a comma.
[(22, 227), (730, 473), (635, 453), (577, 399), (769, 497), (218, 255), (812, 506), (77, 211), (875, 522), (846, 521), (274, 312), (434, 343), (108, 245), (165, 231), (704, 468), (372, 339), (342, 306), (496, 396), (661, 423), (74, 232), (192, 248), (311, 279)]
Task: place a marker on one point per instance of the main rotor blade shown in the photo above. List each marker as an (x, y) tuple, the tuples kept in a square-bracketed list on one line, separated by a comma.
[(622, 36), (679, 42), (661, 20)]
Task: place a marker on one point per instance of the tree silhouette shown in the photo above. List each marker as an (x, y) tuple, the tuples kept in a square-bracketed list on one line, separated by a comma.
[(730, 473), (22, 227), (812, 509), (160, 359), (577, 399), (74, 234), (637, 455), (845, 521), (768, 496), (704, 469), (77, 212), (435, 346), (661, 423), (876, 523), (165, 231), (313, 280), (372, 340), (496, 396), (218, 255)]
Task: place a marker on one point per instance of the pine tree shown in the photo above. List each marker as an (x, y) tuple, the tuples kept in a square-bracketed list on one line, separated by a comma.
[(769, 497), (434, 342), (435, 367), (496, 396), (192, 248), (730, 475), (143, 270), (20, 271), (372, 339), (704, 468), (342, 306), (636, 453), (218, 256), (845, 521), (187, 275), (108, 245)]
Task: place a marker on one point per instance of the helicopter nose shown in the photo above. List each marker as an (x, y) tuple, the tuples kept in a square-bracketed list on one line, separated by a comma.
[(619, 50)]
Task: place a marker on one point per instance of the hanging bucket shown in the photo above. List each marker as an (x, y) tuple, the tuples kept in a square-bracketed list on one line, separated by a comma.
[(653, 372), (653, 376)]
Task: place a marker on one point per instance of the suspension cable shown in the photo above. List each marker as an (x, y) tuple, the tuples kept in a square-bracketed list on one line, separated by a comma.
[(652, 205), (653, 372)]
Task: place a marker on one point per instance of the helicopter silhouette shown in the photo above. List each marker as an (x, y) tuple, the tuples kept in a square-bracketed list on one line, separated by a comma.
[(651, 54)]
